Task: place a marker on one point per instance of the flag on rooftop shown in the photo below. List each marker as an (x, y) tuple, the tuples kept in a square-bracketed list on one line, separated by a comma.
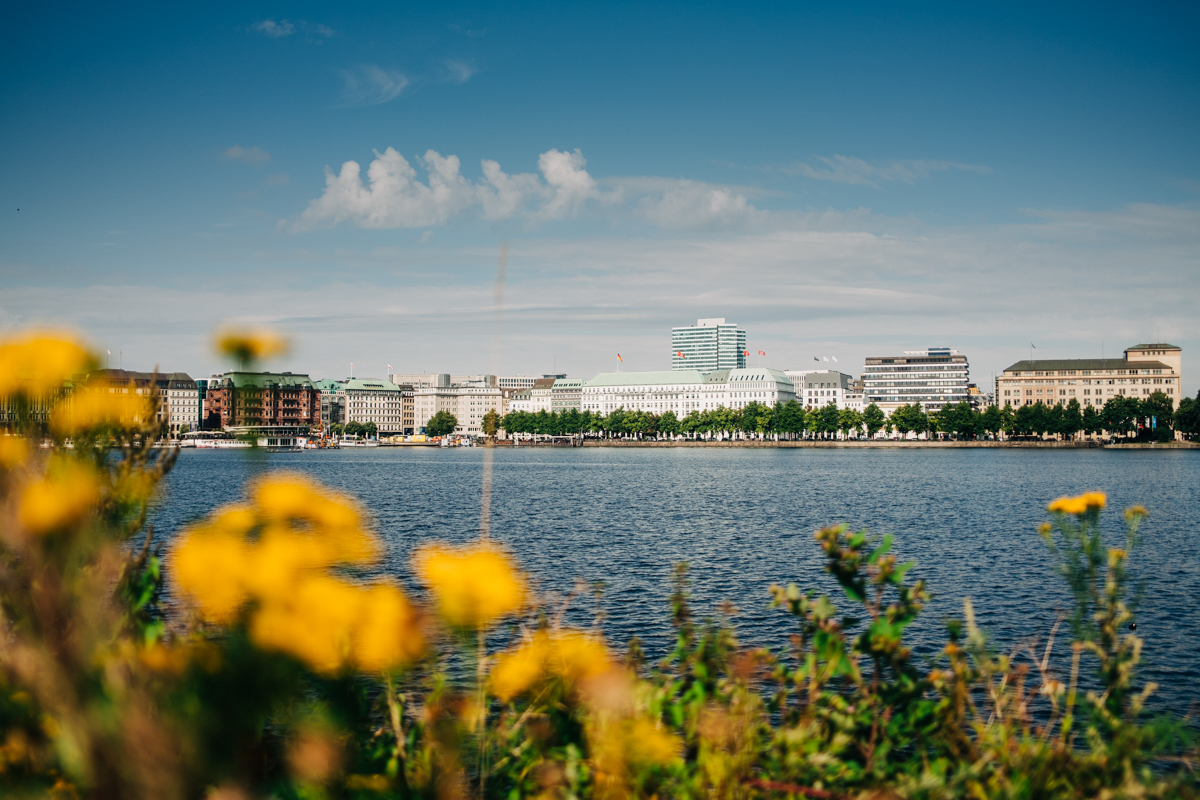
[(762, 352), (620, 359)]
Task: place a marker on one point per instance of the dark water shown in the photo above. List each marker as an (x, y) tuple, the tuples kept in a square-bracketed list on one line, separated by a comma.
[(744, 519)]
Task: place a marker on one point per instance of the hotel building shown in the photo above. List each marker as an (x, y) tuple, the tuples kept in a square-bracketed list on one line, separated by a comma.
[(934, 378), (710, 344), (375, 400), (1145, 369), (257, 399), (685, 391)]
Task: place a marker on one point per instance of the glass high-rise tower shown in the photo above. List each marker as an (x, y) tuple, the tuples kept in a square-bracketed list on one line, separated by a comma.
[(710, 344)]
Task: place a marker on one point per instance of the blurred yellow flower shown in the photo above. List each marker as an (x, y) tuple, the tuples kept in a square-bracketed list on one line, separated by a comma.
[(515, 672), (387, 633), (288, 498), (13, 451), (570, 655), (59, 500), (38, 363), (315, 622), (1045, 528), (1136, 512), (650, 744), (1079, 505), (248, 344), (87, 410), (578, 657), (474, 585), (210, 568)]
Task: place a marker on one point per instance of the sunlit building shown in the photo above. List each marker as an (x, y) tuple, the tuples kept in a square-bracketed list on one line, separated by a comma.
[(1145, 369), (933, 378), (710, 344)]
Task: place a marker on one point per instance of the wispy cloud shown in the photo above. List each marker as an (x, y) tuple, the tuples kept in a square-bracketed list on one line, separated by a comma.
[(459, 71), (369, 85), (273, 29), (278, 179), (282, 28), (247, 155), (848, 169)]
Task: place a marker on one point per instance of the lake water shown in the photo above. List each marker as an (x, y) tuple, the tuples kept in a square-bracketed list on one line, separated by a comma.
[(744, 519)]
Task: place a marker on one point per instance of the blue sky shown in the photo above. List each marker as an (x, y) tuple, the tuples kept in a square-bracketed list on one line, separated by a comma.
[(850, 181)]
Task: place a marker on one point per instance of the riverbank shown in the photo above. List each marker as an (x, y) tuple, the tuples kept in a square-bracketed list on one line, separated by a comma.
[(874, 443)]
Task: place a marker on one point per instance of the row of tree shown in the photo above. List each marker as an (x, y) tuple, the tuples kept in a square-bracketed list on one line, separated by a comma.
[(1120, 415), (367, 430)]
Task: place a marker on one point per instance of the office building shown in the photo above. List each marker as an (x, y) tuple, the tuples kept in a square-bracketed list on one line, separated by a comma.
[(1145, 369), (934, 378), (178, 408), (709, 345), (333, 402)]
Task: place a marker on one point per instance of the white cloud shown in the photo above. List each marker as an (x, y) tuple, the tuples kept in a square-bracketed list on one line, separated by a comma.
[(691, 204), (395, 197), (570, 183), (369, 85), (273, 29), (247, 155), (282, 28), (459, 71), (848, 169)]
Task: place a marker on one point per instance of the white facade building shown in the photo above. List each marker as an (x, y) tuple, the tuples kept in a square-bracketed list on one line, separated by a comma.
[(817, 387), (375, 400), (566, 393), (710, 344), (515, 381), (934, 378), (685, 391)]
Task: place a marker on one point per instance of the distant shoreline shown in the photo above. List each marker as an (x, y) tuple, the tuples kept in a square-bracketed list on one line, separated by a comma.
[(877, 443)]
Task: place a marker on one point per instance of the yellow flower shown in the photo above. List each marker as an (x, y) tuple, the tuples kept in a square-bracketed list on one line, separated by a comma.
[(287, 498), (577, 657), (209, 567), (36, 364), (650, 744), (474, 585), (1078, 505), (1136, 512), (87, 410), (571, 656), (387, 634), (315, 622), (251, 344), (515, 672), (13, 451), (60, 499), (1045, 528)]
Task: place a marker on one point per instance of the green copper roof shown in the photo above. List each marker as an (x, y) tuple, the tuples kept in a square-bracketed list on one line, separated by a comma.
[(263, 380), (663, 378), (370, 385)]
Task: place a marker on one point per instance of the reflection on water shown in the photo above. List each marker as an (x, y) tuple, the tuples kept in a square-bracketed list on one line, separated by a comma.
[(744, 519)]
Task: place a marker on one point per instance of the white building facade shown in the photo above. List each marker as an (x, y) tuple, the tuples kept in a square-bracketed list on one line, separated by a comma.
[(375, 400), (818, 387), (934, 378), (685, 391)]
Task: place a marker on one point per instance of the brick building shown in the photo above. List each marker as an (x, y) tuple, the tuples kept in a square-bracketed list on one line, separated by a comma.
[(263, 398)]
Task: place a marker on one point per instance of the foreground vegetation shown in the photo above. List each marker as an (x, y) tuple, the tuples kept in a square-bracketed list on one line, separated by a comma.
[(287, 669)]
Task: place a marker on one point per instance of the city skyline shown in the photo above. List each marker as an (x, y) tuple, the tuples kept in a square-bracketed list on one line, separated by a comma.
[(846, 182)]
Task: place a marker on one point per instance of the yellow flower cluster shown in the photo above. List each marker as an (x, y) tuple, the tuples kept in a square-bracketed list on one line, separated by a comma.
[(87, 410), (1080, 505), (36, 364), (474, 585), (60, 499), (302, 531), (570, 656), (251, 344)]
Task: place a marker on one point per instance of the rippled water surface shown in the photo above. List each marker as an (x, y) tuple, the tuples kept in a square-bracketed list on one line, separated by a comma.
[(744, 519)]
